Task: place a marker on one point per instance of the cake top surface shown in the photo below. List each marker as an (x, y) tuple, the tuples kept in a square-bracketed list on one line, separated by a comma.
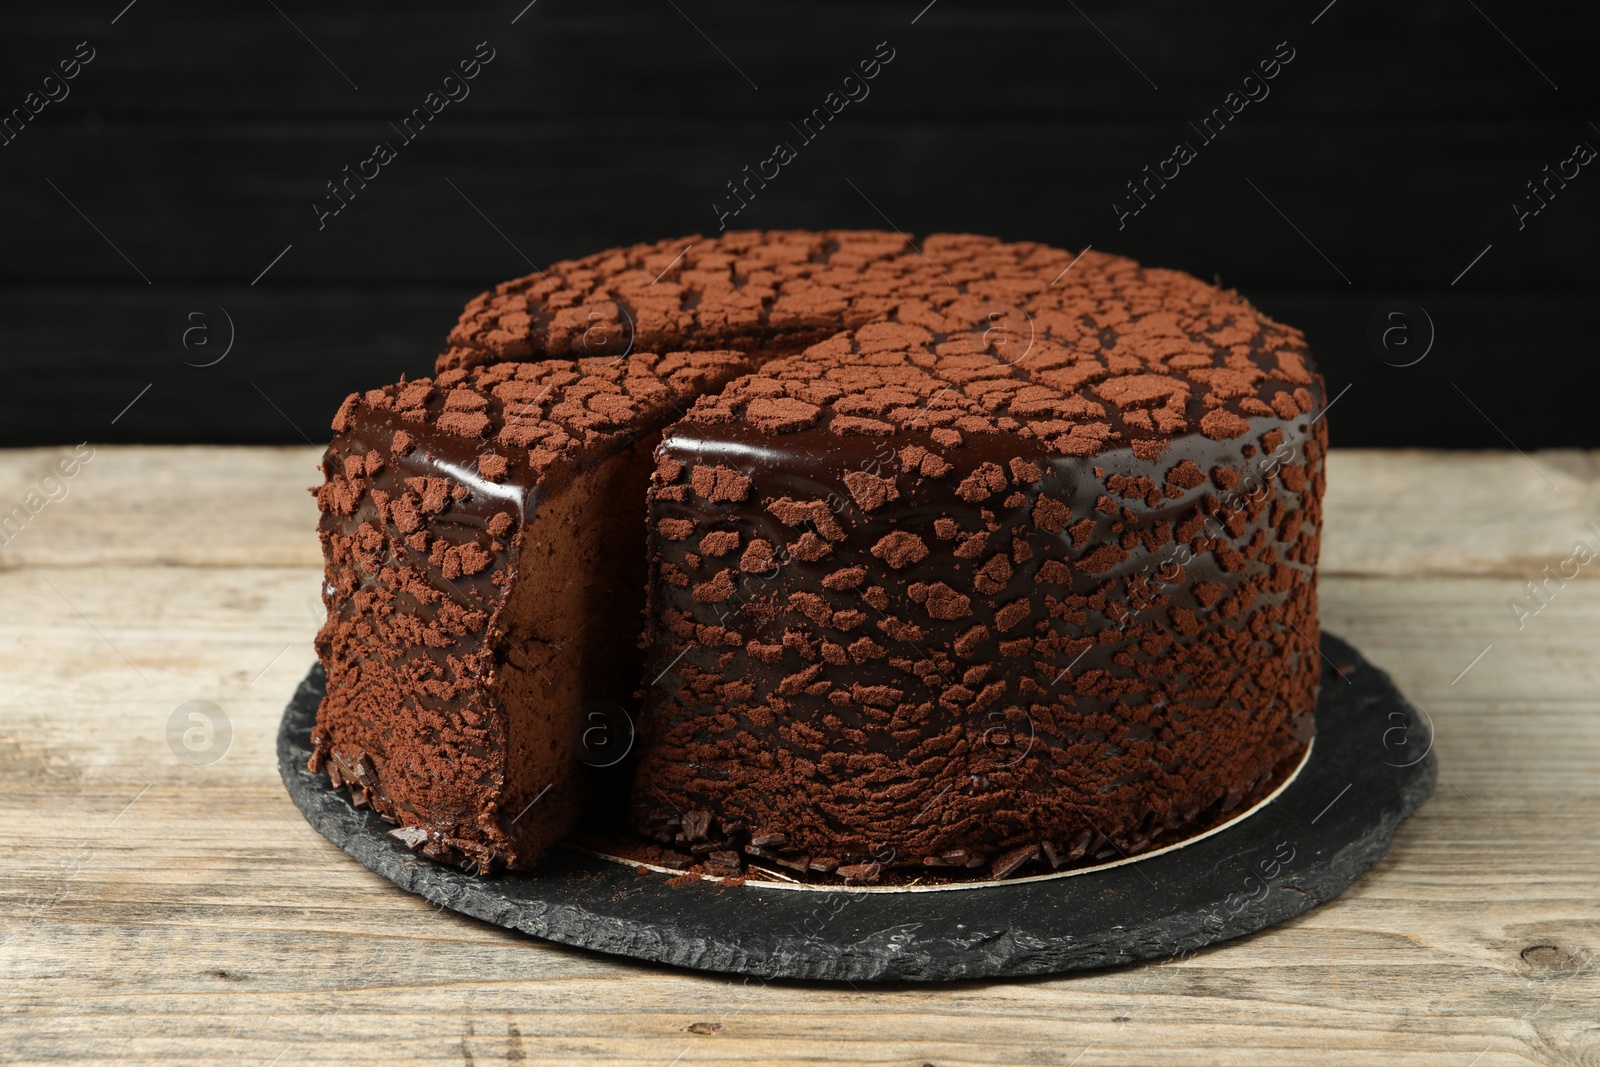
[(507, 417), (1078, 400), (773, 292)]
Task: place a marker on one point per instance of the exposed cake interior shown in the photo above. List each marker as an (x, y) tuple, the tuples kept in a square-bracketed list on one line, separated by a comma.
[(568, 656)]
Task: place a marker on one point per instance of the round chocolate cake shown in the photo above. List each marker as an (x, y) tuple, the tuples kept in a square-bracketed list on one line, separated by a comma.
[(960, 557)]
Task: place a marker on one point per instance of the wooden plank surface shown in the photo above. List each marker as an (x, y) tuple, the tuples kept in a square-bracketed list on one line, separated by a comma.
[(152, 911)]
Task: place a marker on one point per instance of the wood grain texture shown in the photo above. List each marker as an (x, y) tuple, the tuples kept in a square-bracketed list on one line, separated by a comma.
[(154, 912)]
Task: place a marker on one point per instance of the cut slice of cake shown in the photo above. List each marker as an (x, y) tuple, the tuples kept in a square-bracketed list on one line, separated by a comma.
[(485, 584)]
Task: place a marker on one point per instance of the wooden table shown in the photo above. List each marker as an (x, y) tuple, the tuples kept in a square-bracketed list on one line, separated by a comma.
[(158, 911)]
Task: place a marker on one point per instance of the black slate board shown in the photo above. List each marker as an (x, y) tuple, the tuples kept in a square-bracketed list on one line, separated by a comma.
[(1372, 765)]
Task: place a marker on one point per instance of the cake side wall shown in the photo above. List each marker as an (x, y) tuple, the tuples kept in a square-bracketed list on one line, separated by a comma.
[(865, 664), (409, 720)]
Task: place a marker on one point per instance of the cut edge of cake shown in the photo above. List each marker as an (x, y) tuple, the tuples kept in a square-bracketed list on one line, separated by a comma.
[(454, 688)]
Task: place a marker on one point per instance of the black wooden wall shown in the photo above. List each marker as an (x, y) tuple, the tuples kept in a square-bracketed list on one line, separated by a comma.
[(173, 180)]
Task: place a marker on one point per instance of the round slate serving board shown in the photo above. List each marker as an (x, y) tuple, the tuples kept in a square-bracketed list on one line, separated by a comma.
[(1371, 766)]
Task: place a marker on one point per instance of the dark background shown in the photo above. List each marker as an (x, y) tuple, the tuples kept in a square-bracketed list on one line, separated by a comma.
[(190, 151)]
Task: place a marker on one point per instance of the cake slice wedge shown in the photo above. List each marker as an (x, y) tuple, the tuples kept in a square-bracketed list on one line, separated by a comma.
[(484, 586)]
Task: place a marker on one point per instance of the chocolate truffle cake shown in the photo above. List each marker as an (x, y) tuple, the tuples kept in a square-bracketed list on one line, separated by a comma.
[(979, 556)]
